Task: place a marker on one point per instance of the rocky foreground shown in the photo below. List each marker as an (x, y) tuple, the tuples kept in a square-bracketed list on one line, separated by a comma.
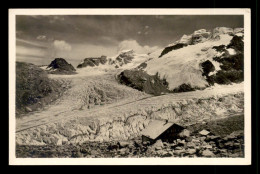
[(221, 138)]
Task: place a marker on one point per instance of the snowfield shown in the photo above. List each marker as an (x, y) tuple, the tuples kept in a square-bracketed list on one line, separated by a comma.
[(183, 65)]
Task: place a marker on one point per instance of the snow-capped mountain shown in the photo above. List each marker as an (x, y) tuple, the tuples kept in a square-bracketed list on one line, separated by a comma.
[(196, 61), (126, 59)]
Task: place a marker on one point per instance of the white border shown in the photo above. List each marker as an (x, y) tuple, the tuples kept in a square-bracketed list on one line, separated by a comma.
[(130, 161)]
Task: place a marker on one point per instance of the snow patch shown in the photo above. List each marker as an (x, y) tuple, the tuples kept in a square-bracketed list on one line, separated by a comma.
[(231, 51), (222, 30)]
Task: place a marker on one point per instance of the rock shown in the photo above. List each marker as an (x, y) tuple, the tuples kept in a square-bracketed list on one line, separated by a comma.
[(230, 137), (95, 61), (179, 152), (236, 145), (237, 134), (123, 144), (185, 133), (165, 144), (204, 132), (223, 150), (229, 143), (28, 109), (207, 67), (207, 153), (170, 153), (207, 146), (191, 151), (83, 150), (60, 66), (77, 155), (173, 145), (190, 145), (113, 146), (94, 152), (188, 139), (200, 36), (178, 148), (158, 144), (158, 148), (134, 79), (138, 144), (196, 141), (212, 138), (220, 145), (202, 138), (166, 154), (124, 151), (59, 142), (181, 143)]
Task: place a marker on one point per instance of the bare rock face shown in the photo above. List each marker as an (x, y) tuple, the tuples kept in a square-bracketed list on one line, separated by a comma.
[(143, 82), (207, 67), (60, 66), (172, 47), (200, 36), (125, 57), (92, 62), (232, 65)]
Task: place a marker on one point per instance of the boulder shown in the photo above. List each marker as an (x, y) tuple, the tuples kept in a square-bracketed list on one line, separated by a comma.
[(190, 151), (28, 109), (188, 139), (204, 132), (184, 134), (158, 144), (207, 153), (123, 144), (212, 138), (181, 143), (178, 148), (191, 145)]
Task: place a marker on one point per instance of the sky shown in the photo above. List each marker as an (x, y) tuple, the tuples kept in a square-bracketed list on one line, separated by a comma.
[(41, 38)]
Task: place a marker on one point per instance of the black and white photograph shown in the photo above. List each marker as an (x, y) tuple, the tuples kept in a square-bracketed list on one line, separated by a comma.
[(129, 86)]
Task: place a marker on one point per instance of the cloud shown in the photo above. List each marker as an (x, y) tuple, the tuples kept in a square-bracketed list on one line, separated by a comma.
[(134, 45), (41, 37), (28, 43), (61, 45), (146, 27), (139, 32), (24, 50)]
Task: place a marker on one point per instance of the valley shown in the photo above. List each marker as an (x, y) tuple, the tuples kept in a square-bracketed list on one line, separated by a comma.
[(102, 106)]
